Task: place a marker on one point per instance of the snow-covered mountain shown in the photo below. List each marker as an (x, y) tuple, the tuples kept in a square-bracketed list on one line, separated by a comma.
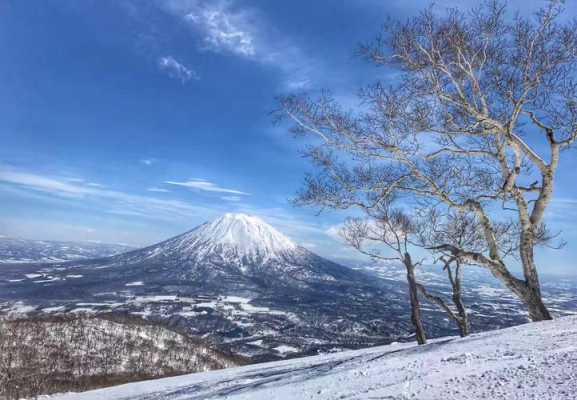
[(16, 250), (238, 247), (236, 238), (532, 361), (236, 280)]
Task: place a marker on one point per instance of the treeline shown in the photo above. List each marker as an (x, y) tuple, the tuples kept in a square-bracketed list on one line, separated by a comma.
[(77, 353)]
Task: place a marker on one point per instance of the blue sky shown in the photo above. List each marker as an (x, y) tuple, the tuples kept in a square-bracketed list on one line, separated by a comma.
[(131, 121)]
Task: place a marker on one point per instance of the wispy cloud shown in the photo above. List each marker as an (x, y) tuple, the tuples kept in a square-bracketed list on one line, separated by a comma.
[(158, 190), (116, 201), (227, 28), (147, 161), (207, 186), (176, 69), (69, 187), (231, 198), (223, 30), (334, 232)]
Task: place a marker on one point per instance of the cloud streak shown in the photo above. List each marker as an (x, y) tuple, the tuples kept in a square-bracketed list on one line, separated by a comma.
[(206, 186), (222, 30), (158, 190), (114, 201), (226, 28), (176, 69), (231, 198)]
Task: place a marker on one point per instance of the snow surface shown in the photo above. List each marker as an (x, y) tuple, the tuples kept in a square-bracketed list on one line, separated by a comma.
[(532, 361), (243, 235)]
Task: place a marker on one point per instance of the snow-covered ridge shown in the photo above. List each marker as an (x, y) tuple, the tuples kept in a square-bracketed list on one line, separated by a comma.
[(241, 235), (532, 361)]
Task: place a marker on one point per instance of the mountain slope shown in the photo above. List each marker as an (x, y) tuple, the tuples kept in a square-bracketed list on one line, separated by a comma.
[(532, 361), (236, 280), (237, 246)]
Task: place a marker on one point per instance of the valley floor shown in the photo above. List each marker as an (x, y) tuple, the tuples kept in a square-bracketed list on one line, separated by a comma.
[(532, 361)]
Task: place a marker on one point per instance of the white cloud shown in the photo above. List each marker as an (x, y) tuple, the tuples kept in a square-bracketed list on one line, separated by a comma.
[(158, 190), (176, 70), (334, 232), (225, 27), (231, 198), (115, 201), (204, 185), (93, 184), (148, 161), (223, 30), (297, 83), (70, 187)]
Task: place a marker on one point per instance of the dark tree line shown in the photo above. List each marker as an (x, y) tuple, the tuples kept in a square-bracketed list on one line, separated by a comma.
[(77, 353)]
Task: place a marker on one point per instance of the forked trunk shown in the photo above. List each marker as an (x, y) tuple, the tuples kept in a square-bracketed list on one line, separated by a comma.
[(414, 298), (537, 309), (531, 295), (528, 293)]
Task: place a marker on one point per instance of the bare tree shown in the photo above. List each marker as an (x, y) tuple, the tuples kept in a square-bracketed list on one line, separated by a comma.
[(460, 317), (475, 121), (391, 228), (460, 230), (403, 234)]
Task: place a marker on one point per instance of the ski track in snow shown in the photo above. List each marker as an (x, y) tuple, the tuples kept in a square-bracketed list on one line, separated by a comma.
[(532, 361)]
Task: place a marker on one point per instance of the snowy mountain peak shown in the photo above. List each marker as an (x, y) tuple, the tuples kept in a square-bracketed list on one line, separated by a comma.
[(240, 236)]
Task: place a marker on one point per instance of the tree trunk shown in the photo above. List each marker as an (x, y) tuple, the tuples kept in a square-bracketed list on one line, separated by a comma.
[(414, 298), (528, 293), (531, 294), (463, 322), (537, 309)]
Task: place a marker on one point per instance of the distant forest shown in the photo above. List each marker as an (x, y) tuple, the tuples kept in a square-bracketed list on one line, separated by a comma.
[(77, 353)]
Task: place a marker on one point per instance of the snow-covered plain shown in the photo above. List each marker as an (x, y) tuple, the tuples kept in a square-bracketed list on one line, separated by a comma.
[(532, 361)]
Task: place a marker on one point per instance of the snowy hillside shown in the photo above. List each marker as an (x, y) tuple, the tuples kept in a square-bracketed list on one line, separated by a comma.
[(532, 361), (14, 250)]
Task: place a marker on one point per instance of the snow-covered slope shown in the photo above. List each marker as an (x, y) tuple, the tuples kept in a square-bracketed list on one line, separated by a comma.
[(238, 237), (532, 361)]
